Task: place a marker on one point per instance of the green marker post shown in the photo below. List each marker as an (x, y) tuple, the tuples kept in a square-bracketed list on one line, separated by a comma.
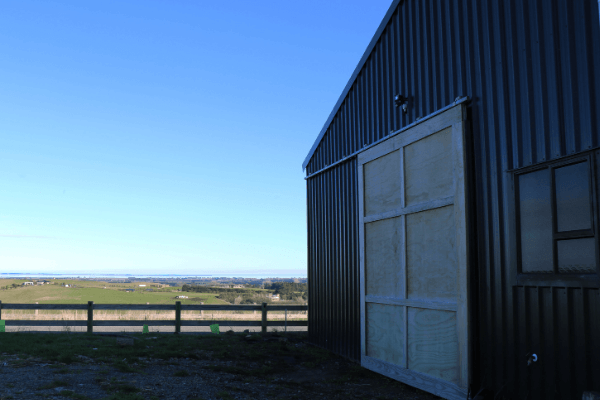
[(214, 328), (2, 323), (145, 329)]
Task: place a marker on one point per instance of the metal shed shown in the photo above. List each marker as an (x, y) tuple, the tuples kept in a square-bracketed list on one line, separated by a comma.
[(452, 201)]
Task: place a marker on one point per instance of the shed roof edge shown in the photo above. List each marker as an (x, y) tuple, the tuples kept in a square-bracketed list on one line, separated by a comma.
[(361, 63)]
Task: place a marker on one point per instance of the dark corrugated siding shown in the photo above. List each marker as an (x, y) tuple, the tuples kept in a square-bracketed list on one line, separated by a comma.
[(529, 66), (333, 274), (531, 70), (554, 322)]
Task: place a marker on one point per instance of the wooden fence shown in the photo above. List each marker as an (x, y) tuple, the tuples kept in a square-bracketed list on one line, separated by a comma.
[(177, 322)]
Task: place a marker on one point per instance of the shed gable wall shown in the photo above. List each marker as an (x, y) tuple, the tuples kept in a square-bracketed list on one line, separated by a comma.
[(530, 71)]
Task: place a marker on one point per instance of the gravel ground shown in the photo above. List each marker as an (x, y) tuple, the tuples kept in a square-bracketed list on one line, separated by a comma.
[(202, 374)]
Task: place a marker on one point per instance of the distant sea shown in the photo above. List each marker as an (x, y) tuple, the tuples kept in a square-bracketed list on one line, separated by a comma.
[(8, 275)]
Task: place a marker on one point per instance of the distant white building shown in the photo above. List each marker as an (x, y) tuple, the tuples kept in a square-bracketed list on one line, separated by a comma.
[(142, 285), (27, 283), (182, 297)]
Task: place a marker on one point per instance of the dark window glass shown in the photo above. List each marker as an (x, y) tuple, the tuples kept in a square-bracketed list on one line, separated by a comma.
[(573, 197), (576, 256), (536, 222)]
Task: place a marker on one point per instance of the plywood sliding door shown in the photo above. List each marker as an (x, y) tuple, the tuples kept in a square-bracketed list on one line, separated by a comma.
[(414, 256)]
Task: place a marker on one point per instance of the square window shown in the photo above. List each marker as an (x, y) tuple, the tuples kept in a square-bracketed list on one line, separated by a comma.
[(536, 222), (556, 227), (573, 208), (576, 256)]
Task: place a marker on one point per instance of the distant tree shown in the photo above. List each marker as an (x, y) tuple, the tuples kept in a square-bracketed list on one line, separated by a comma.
[(288, 290)]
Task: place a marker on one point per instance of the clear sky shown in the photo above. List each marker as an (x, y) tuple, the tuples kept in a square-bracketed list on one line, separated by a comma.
[(153, 137)]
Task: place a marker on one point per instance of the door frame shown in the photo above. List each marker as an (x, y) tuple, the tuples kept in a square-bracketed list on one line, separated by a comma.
[(453, 117)]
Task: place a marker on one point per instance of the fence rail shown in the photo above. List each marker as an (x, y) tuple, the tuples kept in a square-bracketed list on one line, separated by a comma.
[(177, 322)]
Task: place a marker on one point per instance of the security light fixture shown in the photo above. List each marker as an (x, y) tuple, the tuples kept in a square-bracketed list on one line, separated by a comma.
[(400, 100)]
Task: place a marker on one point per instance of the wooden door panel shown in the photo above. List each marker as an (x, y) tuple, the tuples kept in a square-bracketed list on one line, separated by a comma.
[(413, 249), (428, 168), (384, 250), (433, 343), (385, 332), (379, 196), (431, 259)]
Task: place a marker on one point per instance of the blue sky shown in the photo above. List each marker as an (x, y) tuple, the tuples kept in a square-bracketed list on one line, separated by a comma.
[(150, 137)]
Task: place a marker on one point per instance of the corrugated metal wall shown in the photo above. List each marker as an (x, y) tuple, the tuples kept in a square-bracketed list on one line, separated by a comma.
[(333, 273), (531, 69), (557, 323)]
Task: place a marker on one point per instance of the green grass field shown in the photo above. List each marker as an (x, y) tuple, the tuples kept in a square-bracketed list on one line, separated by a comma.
[(112, 293), (94, 291)]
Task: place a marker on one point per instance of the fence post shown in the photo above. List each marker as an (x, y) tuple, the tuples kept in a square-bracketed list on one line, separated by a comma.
[(286, 319), (201, 310), (177, 316), (264, 317), (0, 309), (36, 310), (90, 319)]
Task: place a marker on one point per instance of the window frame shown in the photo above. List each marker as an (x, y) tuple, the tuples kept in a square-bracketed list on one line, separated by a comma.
[(555, 278)]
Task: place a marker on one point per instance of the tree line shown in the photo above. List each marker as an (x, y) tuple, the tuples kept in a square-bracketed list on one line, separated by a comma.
[(285, 290), (289, 290)]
